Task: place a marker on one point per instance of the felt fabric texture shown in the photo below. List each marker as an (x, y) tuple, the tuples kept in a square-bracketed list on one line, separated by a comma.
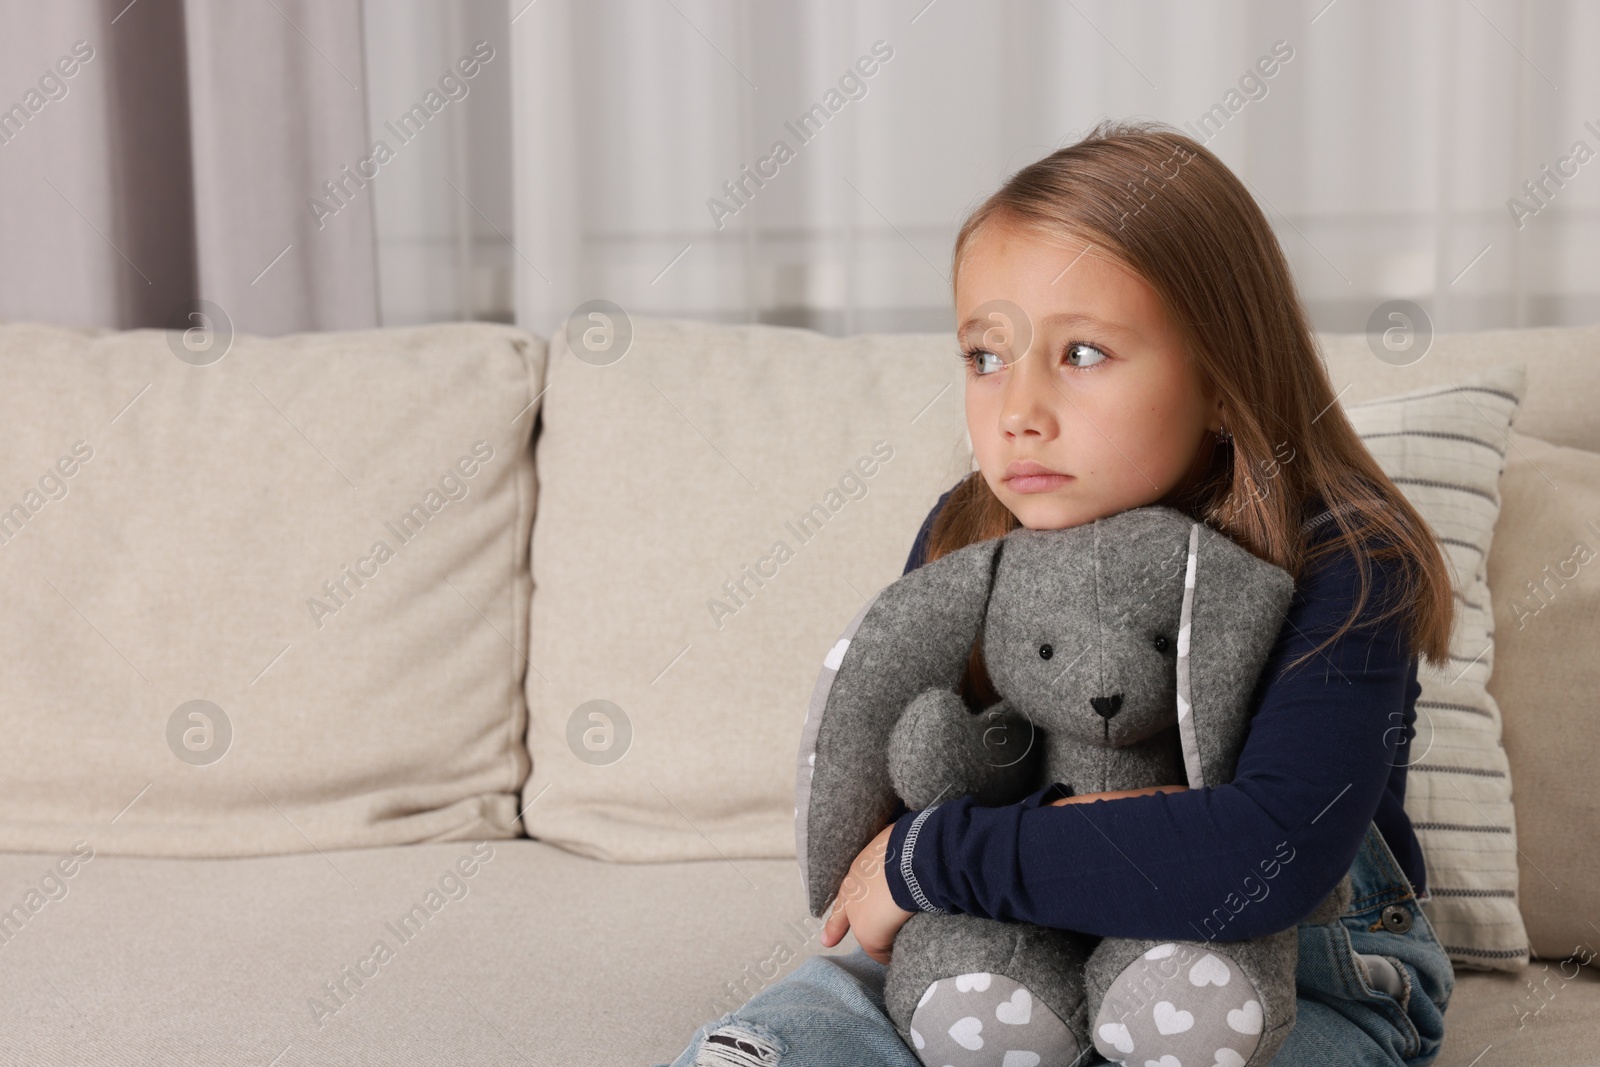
[(951, 959), (914, 636), (1195, 1003), (1082, 631), (1106, 598), (939, 748), (988, 1020)]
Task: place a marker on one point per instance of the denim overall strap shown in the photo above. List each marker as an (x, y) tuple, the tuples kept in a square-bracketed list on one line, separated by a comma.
[(1377, 880), (1379, 965)]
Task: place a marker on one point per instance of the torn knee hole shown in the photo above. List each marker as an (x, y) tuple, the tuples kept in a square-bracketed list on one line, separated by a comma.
[(736, 1046)]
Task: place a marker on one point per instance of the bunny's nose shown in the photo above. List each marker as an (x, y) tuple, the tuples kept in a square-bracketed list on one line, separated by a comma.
[(1107, 706)]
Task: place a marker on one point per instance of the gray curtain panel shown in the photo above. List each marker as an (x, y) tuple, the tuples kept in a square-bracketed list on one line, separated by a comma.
[(161, 151)]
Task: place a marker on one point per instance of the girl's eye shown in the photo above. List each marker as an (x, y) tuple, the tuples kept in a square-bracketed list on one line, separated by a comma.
[(981, 362), (1083, 355), (1078, 354)]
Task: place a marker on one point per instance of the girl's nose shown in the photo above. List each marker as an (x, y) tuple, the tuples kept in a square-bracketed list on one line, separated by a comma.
[(1026, 407)]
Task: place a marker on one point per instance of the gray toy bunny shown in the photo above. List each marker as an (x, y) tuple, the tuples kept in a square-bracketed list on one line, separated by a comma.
[(1126, 652)]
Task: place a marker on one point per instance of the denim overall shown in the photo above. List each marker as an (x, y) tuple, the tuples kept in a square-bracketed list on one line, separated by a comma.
[(1386, 1007), (1372, 987)]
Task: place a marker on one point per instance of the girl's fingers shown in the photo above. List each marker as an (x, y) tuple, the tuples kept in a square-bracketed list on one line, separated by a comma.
[(833, 930)]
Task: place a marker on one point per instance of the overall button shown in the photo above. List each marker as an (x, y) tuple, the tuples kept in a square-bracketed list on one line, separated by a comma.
[(1396, 917)]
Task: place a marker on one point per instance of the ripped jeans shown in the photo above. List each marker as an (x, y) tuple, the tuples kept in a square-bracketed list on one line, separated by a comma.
[(1372, 987)]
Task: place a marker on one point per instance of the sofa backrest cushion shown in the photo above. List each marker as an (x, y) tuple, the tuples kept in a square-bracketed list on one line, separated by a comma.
[(1563, 365), (713, 506), (1545, 570), (269, 603)]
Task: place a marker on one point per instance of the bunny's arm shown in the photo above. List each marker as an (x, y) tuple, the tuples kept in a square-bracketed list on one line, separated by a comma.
[(939, 750)]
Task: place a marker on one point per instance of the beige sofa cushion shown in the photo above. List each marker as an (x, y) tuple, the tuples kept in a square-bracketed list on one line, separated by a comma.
[(1546, 569), (1445, 446), (1563, 364), (167, 532), (527, 956), (495, 954), (712, 505)]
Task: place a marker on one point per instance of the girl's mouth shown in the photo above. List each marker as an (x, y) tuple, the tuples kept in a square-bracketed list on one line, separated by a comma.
[(1031, 476), (1037, 483)]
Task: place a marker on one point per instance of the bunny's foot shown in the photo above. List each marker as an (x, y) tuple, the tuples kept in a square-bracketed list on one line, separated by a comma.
[(1181, 1003), (965, 991), (989, 1020)]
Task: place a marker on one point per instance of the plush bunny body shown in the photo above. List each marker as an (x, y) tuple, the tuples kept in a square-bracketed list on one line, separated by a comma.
[(1126, 652)]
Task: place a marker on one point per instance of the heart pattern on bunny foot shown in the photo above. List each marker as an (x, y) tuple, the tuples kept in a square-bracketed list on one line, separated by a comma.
[(988, 1020), (1207, 1014)]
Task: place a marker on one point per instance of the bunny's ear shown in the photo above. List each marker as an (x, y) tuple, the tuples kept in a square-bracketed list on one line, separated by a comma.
[(1233, 607), (915, 634)]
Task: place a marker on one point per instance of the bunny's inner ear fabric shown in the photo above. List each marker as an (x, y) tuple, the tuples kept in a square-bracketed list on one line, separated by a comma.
[(916, 634), (807, 756), (1192, 763), (1233, 608)]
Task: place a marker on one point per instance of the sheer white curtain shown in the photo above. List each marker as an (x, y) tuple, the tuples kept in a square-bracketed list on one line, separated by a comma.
[(443, 202), (1441, 151), (1386, 147), (157, 152)]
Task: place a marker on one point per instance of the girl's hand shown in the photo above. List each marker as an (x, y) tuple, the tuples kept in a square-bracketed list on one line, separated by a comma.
[(865, 904), (1089, 798)]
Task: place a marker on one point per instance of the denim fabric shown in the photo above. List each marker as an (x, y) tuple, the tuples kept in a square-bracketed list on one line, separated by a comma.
[(829, 1011), (1341, 1017)]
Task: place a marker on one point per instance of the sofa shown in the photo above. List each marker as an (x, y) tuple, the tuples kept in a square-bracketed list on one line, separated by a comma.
[(431, 695)]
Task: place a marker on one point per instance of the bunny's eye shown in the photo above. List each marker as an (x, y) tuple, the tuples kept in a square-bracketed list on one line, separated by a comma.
[(1161, 642), (1046, 651)]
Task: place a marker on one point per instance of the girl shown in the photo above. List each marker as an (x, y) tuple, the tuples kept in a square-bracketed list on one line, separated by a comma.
[(1131, 336)]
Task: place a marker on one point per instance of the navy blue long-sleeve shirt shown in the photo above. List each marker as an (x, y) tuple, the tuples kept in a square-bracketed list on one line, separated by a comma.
[(1325, 755)]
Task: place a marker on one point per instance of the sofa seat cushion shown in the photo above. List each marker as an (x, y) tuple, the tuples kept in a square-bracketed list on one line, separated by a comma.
[(537, 958), (1544, 1013)]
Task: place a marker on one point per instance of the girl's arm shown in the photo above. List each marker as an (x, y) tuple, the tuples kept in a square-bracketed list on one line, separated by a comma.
[(1244, 859), (1118, 794)]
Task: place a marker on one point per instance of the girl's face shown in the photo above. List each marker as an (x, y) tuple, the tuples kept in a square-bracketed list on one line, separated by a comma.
[(1105, 395)]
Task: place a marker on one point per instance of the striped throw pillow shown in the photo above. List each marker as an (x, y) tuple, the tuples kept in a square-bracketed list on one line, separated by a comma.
[(1445, 447)]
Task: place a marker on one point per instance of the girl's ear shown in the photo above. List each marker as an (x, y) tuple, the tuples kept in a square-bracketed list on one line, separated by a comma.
[(916, 634), (1233, 609)]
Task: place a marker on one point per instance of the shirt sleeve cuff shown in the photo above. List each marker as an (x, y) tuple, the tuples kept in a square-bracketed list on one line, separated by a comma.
[(911, 892), (908, 893)]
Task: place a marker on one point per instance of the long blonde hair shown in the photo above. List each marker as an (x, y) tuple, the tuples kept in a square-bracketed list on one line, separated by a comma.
[(1159, 203)]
